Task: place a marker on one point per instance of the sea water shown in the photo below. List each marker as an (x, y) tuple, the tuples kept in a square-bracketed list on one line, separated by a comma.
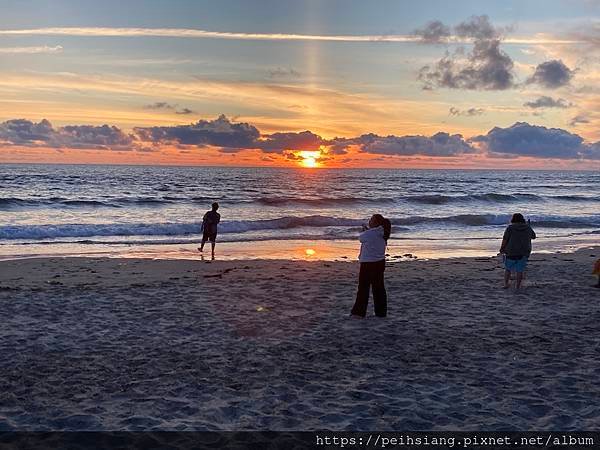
[(45, 209)]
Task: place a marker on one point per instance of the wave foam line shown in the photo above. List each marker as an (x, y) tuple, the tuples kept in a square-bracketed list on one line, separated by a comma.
[(14, 232)]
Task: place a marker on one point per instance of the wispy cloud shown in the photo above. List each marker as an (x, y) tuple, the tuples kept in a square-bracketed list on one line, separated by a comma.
[(467, 112), (537, 39), (283, 73), (548, 102), (31, 50), (330, 111), (185, 111), (168, 106), (579, 119)]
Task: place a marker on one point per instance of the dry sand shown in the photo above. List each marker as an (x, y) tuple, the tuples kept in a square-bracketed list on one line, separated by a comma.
[(131, 344)]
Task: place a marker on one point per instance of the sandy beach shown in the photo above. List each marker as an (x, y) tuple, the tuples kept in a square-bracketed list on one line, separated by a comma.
[(141, 344)]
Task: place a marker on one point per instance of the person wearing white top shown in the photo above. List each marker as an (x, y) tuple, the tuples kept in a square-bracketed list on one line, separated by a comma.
[(373, 241), (372, 245)]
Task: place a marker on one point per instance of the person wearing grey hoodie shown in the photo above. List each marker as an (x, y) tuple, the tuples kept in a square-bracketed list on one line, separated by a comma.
[(516, 248)]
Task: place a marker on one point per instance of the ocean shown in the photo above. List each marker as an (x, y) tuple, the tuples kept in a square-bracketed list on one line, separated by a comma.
[(77, 209)]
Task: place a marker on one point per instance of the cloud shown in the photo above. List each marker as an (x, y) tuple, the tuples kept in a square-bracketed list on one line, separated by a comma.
[(26, 133), (280, 72), (169, 106), (478, 28), (523, 139), (279, 142), (31, 50), (520, 139), (293, 156), (220, 132), (231, 137), (98, 137), (552, 74), (434, 32), (440, 144), (486, 67), (160, 105), (577, 120), (198, 34), (235, 137), (339, 146), (548, 102), (192, 33), (467, 112)]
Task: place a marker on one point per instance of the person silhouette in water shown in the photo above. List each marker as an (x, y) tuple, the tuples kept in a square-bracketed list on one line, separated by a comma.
[(209, 228)]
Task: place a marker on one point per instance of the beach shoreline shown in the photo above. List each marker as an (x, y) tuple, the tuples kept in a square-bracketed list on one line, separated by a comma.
[(141, 344), (289, 249)]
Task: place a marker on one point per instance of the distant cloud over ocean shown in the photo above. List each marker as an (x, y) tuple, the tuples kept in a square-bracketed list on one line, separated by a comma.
[(520, 139), (523, 139)]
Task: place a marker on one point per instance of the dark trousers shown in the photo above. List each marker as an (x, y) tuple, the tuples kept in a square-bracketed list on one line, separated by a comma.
[(371, 274)]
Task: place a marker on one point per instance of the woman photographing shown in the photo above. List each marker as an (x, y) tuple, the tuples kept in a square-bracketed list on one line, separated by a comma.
[(373, 241)]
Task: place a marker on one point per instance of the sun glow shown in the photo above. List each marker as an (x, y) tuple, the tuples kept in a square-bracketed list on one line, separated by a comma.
[(309, 158)]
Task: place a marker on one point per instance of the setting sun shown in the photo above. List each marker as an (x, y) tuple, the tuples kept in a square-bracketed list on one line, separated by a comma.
[(309, 158)]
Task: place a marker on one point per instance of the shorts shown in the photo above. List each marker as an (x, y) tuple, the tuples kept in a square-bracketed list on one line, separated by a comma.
[(208, 236), (515, 265)]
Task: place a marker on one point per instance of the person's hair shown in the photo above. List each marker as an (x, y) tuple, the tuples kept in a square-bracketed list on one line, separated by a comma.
[(385, 223), (215, 206), (517, 218)]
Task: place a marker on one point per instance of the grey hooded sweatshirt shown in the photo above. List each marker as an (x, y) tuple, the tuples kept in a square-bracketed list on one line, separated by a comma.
[(517, 240)]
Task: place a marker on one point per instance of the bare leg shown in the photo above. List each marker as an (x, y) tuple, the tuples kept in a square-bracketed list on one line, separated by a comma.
[(212, 244), (506, 279), (201, 248), (519, 279)]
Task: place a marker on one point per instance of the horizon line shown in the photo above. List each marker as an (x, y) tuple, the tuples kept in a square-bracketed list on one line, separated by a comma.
[(503, 169)]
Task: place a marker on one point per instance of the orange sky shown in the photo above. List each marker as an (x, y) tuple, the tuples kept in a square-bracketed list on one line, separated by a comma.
[(315, 67), (254, 158)]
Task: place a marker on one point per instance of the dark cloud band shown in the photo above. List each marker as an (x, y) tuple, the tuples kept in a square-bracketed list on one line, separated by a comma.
[(520, 139)]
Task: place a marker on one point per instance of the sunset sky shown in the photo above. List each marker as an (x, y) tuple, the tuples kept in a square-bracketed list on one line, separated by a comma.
[(329, 83)]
